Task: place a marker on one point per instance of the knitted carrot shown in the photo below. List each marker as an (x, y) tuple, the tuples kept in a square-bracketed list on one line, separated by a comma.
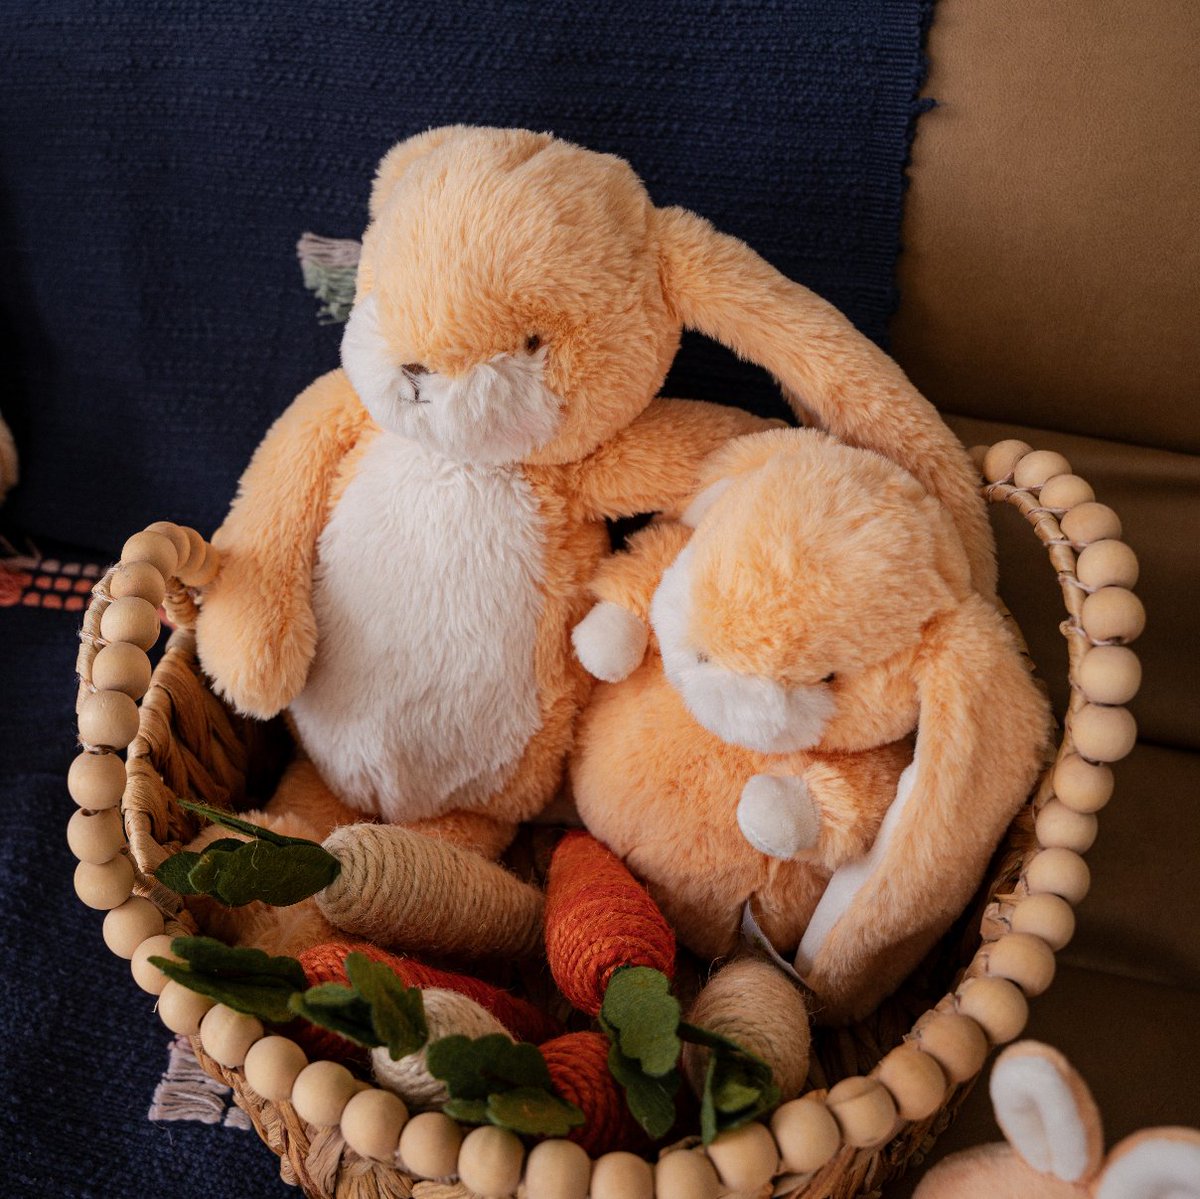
[(598, 919)]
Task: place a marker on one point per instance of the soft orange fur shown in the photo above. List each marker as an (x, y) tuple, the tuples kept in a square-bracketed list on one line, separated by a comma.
[(818, 559), (999, 1171), (478, 237)]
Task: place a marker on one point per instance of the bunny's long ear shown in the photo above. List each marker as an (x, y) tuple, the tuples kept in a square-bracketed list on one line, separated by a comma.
[(1046, 1111), (720, 287), (981, 739), (1160, 1163)]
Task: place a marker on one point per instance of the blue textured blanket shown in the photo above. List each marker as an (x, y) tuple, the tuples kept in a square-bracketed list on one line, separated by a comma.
[(158, 161)]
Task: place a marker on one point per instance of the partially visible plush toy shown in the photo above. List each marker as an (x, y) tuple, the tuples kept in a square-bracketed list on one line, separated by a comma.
[(818, 610), (411, 544), (8, 460), (1055, 1144)]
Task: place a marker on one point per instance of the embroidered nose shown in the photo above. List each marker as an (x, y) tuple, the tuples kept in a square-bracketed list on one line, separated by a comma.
[(413, 369)]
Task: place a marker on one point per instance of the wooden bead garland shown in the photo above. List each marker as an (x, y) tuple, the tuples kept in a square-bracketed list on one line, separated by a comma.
[(1113, 614), (745, 1158), (807, 1135), (429, 1145), (1082, 786), (684, 1174), (1107, 563), (864, 1110), (1090, 522), (372, 1122), (997, 1005), (1063, 828), (122, 666), (1061, 872), (176, 536), (147, 975), (131, 619), (1023, 959), (108, 719), (1037, 467), (559, 1170), (95, 836), (914, 1080), (227, 1035), (104, 885), (127, 926), (139, 579), (321, 1091), (1110, 674), (1065, 491), (956, 1042), (489, 1162), (1001, 459), (272, 1066), (1048, 917), (96, 781), (181, 1010), (152, 547), (622, 1175), (1103, 734)]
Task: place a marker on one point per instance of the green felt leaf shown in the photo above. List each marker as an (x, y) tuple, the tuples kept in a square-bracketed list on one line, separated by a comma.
[(280, 875), (340, 1009), (651, 1100), (738, 1086), (397, 1011), (229, 820), (533, 1111), (246, 980), (467, 1111), (642, 1015), (479, 1067), (175, 871)]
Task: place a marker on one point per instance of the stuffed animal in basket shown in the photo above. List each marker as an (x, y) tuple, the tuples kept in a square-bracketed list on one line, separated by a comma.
[(411, 544), (766, 660), (1055, 1144)]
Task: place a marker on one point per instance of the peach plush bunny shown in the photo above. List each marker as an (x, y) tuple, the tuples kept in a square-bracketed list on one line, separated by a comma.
[(411, 544), (812, 610), (1055, 1144)]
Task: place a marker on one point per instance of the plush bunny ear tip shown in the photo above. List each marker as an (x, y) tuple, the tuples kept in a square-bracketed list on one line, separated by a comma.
[(1046, 1112), (1160, 1163)]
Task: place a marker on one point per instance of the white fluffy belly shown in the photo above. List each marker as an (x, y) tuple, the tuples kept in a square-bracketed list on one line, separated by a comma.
[(427, 595)]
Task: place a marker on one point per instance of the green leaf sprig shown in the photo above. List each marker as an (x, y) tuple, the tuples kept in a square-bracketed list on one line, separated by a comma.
[(272, 868)]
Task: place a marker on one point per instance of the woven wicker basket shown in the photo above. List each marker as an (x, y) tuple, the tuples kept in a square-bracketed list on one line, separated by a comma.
[(185, 742)]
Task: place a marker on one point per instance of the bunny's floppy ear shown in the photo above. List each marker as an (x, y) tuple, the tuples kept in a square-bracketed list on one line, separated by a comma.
[(1047, 1113), (717, 285), (981, 739), (1160, 1163)]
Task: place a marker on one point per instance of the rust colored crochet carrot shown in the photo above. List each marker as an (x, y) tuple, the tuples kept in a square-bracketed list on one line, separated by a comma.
[(578, 1065), (598, 919), (327, 963)]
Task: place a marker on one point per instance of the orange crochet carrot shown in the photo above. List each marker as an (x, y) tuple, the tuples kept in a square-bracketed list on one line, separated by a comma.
[(327, 963), (578, 1065), (598, 919)]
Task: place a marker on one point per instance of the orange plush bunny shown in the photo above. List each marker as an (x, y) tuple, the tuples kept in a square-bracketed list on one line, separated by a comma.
[(411, 544), (813, 609), (1055, 1144)]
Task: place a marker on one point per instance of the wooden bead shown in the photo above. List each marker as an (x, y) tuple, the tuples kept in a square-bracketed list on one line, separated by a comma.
[(1107, 564), (1113, 614), (1083, 786), (914, 1080), (140, 579), (176, 536), (1023, 959), (1110, 674), (864, 1110), (956, 1042), (489, 1162), (977, 453), (807, 1135), (1060, 827), (745, 1158), (96, 781), (1103, 734), (1059, 872), (561, 1170), (105, 885), (127, 926), (122, 667), (130, 619), (429, 1145), (1065, 491), (1090, 522), (147, 975), (1000, 461), (197, 549), (96, 836), (372, 1122), (622, 1176), (1048, 917), (272, 1066), (108, 719), (154, 548), (181, 1009), (321, 1091), (997, 1005), (684, 1174), (227, 1035), (201, 571), (1035, 468)]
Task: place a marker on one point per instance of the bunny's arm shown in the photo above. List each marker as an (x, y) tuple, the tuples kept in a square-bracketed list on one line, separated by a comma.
[(652, 465), (256, 634)]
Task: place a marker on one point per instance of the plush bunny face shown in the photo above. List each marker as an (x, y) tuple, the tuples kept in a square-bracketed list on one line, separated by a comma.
[(793, 618), (510, 303)]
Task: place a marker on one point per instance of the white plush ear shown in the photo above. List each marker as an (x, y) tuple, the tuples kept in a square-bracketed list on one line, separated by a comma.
[(610, 641), (695, 512), (1160, 1163), (1046, 1112)]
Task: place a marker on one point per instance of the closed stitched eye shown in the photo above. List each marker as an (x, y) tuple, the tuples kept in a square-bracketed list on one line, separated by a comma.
[(532, 343), (829, 678)]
